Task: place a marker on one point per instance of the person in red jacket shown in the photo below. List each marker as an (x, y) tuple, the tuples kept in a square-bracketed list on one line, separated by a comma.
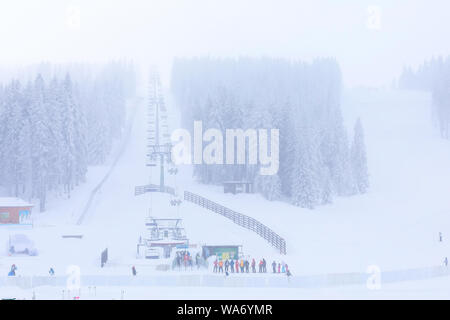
[(237, 266), (215, 266)]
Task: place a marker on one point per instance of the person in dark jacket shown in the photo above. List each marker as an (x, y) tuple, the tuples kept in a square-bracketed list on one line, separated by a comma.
[(51, 272), (237, 265), (232, 266), (133, 270), (197, 260), (288, 273), (274, 267), (227, 264), (264, 265), (253, 265)]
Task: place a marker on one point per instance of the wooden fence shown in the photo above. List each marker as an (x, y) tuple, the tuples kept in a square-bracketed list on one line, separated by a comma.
[(240, 219)]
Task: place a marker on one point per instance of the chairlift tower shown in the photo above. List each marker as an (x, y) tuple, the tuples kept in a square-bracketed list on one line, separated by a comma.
[(158, 140)]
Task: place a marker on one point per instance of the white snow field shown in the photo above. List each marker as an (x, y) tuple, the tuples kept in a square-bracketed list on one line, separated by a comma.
[(395, 226), (423, 289)]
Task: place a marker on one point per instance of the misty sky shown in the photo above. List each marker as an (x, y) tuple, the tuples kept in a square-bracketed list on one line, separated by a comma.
[(370, 53)]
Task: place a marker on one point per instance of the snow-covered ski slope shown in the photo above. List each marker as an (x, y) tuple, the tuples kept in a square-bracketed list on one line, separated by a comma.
[(116, 219), (395, 225)]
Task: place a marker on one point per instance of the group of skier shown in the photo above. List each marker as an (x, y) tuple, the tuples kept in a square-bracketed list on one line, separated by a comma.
[(185, 259), (244, 266)]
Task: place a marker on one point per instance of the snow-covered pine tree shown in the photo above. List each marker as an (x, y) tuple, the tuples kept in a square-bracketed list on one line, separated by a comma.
[(269, 186), (327, 190), (10, 133), (44, 129), (22, 149), (306, 192), (286, 126), (272, 93), (69, 136), (55, 114), (359, 159), (40, 142)]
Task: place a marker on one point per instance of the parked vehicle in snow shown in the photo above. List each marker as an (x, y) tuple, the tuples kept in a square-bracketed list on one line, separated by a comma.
[(21, 244)]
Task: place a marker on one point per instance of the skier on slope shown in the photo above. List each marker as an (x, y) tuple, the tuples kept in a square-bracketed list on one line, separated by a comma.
[(288, 274), (186, 261), (446, 261), (51, 272), (133, 271), (12, 271), (220, 266)]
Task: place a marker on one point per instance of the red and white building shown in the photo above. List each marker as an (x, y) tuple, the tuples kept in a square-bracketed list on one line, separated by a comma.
[(15, 211)]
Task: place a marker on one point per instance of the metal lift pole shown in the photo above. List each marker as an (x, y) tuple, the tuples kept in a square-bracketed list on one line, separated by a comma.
[(161, 177), (157, 144)]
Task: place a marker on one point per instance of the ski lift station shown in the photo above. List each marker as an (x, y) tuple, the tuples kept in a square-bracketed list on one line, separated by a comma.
[(161, 237), (15, 211)]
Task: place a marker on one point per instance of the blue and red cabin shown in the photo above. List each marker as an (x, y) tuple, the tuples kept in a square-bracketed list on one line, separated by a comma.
[(15, 211)]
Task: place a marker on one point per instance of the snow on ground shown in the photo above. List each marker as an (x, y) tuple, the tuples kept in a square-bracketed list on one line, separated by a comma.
[(394, 226), (422, 289), (116, 220)]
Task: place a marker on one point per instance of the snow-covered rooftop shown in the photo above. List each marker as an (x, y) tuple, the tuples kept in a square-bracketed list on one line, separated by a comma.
[(13, 202)]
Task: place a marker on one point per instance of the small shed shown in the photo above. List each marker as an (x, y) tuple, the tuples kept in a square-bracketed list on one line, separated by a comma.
[(237, 187), (15, 211), (222, 251)]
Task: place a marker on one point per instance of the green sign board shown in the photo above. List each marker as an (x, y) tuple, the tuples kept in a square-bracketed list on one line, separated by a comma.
[(230, 252)]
